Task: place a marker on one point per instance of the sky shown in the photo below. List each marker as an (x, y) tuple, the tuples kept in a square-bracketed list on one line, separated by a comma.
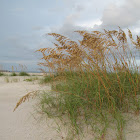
[(24, 24)]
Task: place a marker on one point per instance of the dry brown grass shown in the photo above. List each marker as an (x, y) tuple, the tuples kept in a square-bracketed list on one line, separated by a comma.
[(100, 71), (97, 53), (26, 97), (98, 77), (92, 52)]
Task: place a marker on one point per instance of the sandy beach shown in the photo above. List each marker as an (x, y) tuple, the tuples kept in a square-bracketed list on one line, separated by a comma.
[(23, 124)]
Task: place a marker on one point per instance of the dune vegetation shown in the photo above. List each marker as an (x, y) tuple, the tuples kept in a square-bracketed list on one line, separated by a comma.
[(13, 74), (23, 73), (96, 81), (1, 74)]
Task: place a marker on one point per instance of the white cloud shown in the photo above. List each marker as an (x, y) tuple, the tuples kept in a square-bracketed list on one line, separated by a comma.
[(124, 15), (137, 30), (91, 24)]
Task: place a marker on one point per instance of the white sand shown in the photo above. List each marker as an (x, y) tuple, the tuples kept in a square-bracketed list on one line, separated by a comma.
[(21, 124)]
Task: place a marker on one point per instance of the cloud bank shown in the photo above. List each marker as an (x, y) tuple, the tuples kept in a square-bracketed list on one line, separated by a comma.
[(24, 23)]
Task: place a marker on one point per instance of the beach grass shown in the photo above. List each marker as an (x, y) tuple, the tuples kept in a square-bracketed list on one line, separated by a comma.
[(1, 74), (6, 79), (96, 82), (79, 96), (13, 74), (46, 79), (49, 78), (99, 81), (23, 73), (15, 80), (31, 79)]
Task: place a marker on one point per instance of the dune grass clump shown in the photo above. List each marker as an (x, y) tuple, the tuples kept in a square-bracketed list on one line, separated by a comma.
[(23, 74), (7, 79), (1, 74), (28, 80), (49, 78), (31, 79), (100, 80), (46, 79), (13, 74)]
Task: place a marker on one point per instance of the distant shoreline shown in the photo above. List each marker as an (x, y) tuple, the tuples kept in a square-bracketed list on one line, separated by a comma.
[(4, 71), (31, 73), (25, 71)]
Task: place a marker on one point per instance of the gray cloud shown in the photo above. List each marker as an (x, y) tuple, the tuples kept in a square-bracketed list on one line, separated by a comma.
[(17, 10), (69, 25), (24, 23), (82, 13), (19, 50), (37, 28)]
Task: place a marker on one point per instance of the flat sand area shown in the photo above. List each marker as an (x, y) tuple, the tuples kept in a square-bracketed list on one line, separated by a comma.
[(23, 124)]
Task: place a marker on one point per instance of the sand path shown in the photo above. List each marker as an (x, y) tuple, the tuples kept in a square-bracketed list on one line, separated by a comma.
[(20, 125)]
